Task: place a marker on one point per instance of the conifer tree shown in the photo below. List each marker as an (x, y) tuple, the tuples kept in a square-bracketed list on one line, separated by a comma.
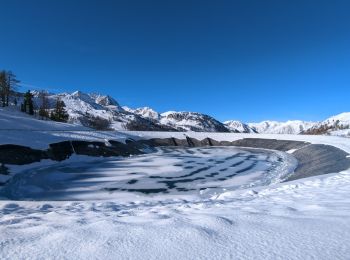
[(44, 106), (59, 114), (28, 103)]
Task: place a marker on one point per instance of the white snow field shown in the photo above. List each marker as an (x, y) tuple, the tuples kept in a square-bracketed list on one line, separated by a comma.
[(98, 208)]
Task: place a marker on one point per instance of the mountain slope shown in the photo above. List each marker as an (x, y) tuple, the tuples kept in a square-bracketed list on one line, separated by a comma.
[(335, 125)]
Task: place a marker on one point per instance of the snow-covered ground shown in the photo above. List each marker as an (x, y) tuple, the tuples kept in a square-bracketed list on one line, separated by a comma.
[(303, 219)]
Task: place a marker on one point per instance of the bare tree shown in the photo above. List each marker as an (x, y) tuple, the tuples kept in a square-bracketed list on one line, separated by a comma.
[(3, 87), (8, 85)]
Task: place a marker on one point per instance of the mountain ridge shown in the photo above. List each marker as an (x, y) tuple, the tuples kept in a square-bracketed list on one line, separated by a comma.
[(81, 107)]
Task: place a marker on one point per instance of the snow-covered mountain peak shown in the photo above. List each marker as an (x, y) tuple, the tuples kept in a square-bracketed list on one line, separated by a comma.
[(343, 117), (147, 112), (275, 127), (104, 100), (237, 126)]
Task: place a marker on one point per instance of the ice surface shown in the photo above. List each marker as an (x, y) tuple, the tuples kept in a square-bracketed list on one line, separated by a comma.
[(160, 175)]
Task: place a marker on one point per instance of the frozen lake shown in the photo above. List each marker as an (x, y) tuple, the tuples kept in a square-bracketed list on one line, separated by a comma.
[(169, 172)]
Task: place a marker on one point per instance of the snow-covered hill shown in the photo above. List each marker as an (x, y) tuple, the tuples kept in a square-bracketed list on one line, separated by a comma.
[(335, 125), (274, 127)]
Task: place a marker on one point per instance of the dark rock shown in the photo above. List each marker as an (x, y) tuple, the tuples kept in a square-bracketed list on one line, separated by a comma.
[(60, 151), (130, 148), (16, 154), (4, 170)]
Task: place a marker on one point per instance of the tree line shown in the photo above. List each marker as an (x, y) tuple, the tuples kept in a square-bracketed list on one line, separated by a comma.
[(8, 86)]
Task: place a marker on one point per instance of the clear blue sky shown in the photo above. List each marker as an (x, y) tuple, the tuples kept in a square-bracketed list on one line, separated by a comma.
[(247, 60)]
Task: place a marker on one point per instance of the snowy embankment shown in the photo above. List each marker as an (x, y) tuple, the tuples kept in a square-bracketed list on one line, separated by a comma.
[(302, 219)]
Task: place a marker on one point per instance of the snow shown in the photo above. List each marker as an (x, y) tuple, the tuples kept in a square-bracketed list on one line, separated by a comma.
[(22, 129), (12, 119), (303, 219)]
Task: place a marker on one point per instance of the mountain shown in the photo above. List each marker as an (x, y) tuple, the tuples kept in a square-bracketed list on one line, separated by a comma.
[(145, 112), (335, 125), (239, 127), (274, 127), (85, 109), (192, 121), (91, 109)]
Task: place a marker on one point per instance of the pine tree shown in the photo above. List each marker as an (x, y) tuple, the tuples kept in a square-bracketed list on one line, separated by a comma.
[(28, 103), (59, 114), (43, 109)]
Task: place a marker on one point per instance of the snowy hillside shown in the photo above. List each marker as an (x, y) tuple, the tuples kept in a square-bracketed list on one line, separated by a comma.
[(12, 119), (274, 127), (335, 125)]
